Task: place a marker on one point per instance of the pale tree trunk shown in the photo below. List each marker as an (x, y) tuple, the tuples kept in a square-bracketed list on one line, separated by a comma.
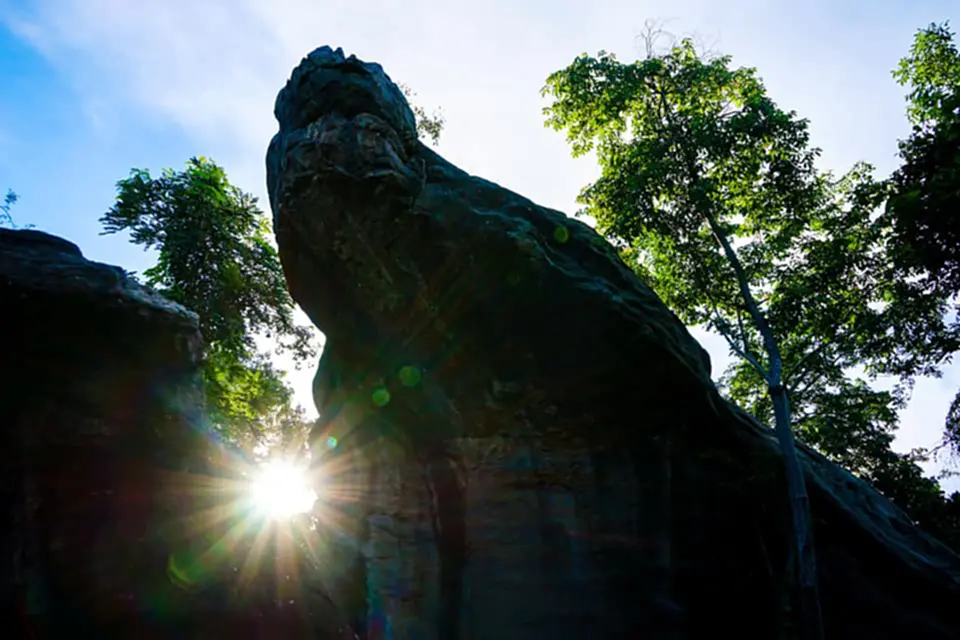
[(804, 559), (807, 596)]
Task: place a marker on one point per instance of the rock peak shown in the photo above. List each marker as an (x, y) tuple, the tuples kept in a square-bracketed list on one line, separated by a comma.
[(327, 81), (326, 55)]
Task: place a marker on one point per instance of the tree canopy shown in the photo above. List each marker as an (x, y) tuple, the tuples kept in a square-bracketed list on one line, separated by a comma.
[(694, 157), (679, 134), (428, 125), (8, 201), (214, 256), (924, 206)]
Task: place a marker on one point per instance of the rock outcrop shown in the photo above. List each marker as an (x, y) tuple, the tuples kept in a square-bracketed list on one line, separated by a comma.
[(520, 439), (115, 495)]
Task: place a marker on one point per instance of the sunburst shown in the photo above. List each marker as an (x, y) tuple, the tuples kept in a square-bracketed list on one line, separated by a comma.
[(281, 489)]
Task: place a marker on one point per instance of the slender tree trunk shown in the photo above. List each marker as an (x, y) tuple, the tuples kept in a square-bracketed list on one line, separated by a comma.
[(807, 596)]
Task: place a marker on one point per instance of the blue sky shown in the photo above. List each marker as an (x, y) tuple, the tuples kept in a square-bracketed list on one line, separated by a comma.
[(92, 88)]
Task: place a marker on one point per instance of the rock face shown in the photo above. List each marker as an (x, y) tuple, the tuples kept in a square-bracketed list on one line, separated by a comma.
[(520, 439), (109, 473)]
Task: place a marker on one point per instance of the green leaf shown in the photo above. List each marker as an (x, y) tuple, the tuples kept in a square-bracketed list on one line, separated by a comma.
[(215, 257), (691, 150)]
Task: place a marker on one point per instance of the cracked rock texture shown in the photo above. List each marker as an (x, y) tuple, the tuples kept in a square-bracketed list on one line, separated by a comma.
[(519, 439)]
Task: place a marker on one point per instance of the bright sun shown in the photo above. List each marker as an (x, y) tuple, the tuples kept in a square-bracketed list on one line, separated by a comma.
[(280, 490)]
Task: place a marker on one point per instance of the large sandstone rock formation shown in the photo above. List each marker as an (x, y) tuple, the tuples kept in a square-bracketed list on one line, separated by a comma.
[(520, 439), (115, 497)]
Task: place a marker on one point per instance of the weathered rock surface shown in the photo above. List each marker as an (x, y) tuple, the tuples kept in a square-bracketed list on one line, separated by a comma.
[(528, 443), (113, 492)]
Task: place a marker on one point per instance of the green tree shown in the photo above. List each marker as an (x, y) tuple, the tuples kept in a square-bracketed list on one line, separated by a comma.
[(842, 310), (695, 156), (924, 207), (8, 201), (214, 257), (428, 125)]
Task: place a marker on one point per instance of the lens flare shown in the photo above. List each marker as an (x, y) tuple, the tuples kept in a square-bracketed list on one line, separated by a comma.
[(281, 490)]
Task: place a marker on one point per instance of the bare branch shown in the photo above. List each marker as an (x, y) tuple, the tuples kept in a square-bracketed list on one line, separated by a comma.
[(652, 31)]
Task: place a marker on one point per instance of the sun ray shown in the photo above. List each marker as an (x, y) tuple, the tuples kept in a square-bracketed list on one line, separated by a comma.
[(281, 490)]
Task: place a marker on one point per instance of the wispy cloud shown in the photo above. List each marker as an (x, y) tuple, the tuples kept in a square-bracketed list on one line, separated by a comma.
[(191, 62), (214, 67)]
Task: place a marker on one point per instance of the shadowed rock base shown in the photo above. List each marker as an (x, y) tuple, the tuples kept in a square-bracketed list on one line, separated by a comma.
[(116, 498)]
